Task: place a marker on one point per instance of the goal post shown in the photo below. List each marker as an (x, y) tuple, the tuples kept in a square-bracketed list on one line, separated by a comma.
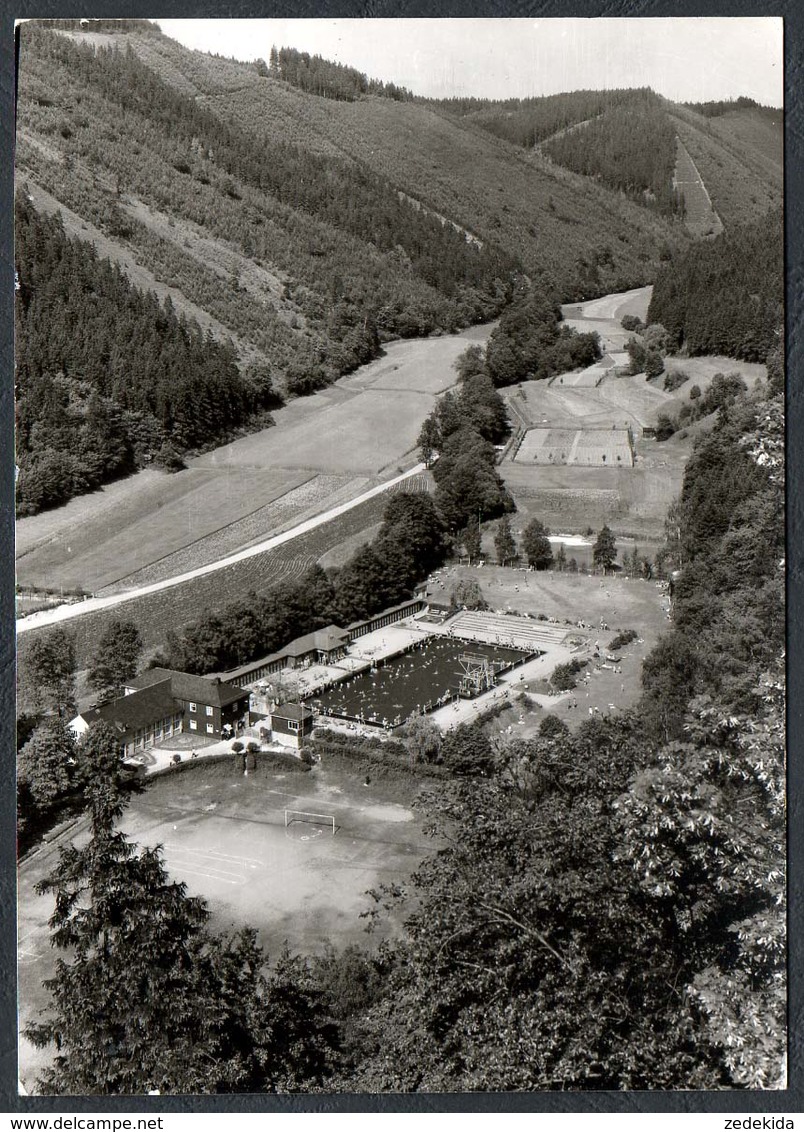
[(325, 820)]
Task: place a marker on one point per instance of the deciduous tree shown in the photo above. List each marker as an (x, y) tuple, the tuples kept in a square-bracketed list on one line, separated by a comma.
[(467, 594), (46, 763), (48, 663), (536, 545), (115, 659)]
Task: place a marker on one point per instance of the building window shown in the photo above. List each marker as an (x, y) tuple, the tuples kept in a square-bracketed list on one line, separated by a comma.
[(193, 725), (209, 711), (193, 707), (293, 725), (210, 729)]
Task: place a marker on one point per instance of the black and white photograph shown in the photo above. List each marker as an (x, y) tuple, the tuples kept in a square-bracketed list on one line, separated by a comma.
[(400, 556)]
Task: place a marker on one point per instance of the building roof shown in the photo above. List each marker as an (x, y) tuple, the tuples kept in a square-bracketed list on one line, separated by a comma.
[(409, 603), (332, 637), (324, 640), (291, 711), (195, 689), (136, 711)]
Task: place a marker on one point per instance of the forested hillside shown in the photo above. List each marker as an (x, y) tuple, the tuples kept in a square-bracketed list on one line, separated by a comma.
[(513, 203), (608, 909), (726, 296), (630, 148), (529, 121), (318, 76), (334, 254), (107, 377), (625, 139)]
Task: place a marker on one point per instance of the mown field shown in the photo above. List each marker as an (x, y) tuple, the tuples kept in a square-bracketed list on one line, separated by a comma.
[(155, 614), (321, 451), (574, 498), (618, 402), (290, 509), (96, 540)]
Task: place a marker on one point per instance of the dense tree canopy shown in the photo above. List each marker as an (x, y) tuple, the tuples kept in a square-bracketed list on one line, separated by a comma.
[(115, 659), (49, 672), (725, 296), (531, 342), (105, 373), (319, 76), (631, 148)]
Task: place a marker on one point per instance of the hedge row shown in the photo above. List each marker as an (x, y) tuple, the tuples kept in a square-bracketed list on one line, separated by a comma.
[(372, 754)]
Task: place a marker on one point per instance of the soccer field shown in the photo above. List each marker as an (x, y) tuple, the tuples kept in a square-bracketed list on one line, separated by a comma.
[(224, 835)]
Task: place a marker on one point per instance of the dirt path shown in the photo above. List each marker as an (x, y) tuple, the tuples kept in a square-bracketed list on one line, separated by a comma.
[(614, 306)]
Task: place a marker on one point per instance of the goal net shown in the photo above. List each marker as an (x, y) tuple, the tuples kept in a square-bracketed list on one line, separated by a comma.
[(322, 821)]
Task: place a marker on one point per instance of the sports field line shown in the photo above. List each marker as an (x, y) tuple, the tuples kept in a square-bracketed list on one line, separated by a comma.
[(214, 854), (93, 604), (212, 874)]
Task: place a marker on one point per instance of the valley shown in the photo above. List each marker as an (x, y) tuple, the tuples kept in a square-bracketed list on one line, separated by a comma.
[(322, 449), (401, 554)]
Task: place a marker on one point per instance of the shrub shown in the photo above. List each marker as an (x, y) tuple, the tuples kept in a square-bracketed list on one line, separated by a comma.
[(365, 753), (237, 747), (665, 426), (654, 364), (169, 458), (632, 323), (695, 392), (563, 678), (638, 355), (675, 379), (467, 751), (552, 727), (622, 639)]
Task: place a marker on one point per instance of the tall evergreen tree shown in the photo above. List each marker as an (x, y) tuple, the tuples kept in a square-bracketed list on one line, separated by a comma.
[(604, 552), (536, 545), (504, 542)]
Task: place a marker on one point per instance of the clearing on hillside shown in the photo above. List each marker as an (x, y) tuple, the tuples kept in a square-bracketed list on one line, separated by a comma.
[(699, 215)]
